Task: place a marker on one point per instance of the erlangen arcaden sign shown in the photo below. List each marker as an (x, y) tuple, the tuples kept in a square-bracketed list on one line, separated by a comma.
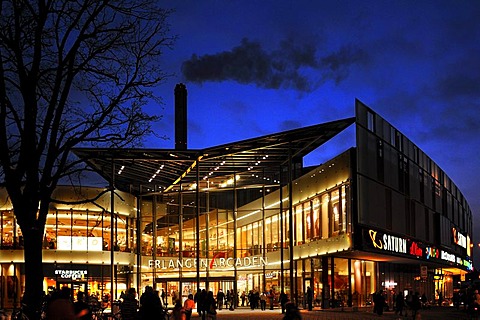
[(223, 263)]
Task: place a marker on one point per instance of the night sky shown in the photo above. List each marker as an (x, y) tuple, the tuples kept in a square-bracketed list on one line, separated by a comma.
[(258, 67)]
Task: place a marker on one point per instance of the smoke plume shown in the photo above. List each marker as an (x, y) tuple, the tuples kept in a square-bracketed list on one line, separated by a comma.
[(287, 67)]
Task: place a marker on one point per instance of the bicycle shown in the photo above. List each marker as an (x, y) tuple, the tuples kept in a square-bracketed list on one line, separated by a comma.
[(19, 314), (100, 314)]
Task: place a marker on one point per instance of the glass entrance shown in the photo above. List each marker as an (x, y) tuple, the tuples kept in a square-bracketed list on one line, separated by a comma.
[(75, 287)]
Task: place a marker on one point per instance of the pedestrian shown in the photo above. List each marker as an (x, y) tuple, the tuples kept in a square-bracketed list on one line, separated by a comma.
[(292, 312), (81, 307), (199, 299), (228, 298), (378, 302), (233, 302), (189, 305), (408, 302), (416, 304), (220, 299), (263, 301), (256, 299), (309, 298), (243, 296), (424, 301), (399, 304), (61, 306), (129, 306), (164, 297), (271, 298), (283, 301), (251, 297), (178, 312), (151, 305), (211, 306)]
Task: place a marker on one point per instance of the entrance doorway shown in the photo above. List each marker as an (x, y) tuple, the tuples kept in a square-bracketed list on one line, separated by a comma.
[(172, 291), (74, 287)]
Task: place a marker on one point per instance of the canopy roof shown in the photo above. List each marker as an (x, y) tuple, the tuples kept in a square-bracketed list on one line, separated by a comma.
[(252, 161)]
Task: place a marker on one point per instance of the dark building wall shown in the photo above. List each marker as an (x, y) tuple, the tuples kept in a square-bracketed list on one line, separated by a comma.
[(400, 189)]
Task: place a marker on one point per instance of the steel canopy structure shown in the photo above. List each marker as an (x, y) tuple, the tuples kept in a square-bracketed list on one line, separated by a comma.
[(256, 161)]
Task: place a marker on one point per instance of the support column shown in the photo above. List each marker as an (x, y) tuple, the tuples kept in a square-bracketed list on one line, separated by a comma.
[(235, 271), (349, 292), (180, 239), (197, 224), (282, 259), (325, 286), (138, 234), (293, 287), (113, 292), (332, 280)]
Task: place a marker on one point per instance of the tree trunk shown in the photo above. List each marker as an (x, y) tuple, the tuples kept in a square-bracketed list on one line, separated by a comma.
[(33, 296)]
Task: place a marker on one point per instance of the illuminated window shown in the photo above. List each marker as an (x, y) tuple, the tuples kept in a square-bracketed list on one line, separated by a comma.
[(370, 121)]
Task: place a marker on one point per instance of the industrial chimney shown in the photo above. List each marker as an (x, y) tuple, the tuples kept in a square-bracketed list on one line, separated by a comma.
[(180, 117)]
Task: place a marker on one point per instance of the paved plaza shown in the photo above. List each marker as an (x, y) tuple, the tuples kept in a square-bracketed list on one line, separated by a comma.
[(244, 313), (437, 313)]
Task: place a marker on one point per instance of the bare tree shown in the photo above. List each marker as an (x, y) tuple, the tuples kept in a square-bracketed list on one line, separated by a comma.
[(72, 73)]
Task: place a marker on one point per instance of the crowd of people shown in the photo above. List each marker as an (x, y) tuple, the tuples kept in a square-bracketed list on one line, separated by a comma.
[(151, 304)]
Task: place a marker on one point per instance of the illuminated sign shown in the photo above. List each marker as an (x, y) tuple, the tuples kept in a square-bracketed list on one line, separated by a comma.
[(79, 243), (465, 263), (432, 252), (459, 239), (415, 250), (447, 256), (204, 263), (380, 241), (389, 284), (423, 272), (388, 242), (71, 274)]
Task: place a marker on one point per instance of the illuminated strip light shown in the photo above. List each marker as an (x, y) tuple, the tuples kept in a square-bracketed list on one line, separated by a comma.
[(257, 211), (157, 172), (194, 164), (121, 170)]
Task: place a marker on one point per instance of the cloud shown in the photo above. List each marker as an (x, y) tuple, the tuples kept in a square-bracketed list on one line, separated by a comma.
[(287, 67), (289, 125), (336, 65)]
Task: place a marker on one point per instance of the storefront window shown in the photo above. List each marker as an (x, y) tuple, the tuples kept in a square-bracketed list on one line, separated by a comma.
[(106, 231), (275, 233), (298, 223), (249, 238), (242, 242), (230, 234), (343, 228), (189, 239), (8, 231), (335, 213), (268, 234), (286, 229), (325, 216), (317, 218)]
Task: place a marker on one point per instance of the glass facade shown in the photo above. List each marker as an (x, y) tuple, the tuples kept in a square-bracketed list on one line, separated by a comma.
[(78, 245), (379, 216)]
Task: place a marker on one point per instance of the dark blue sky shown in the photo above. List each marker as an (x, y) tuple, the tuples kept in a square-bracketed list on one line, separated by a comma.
[(257, 67)]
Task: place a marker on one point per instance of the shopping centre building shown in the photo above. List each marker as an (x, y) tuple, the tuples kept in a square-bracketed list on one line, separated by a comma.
[(248, 215)]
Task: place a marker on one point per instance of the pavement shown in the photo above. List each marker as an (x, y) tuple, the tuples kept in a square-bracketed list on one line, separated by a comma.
[(434, 313), (245, 313)]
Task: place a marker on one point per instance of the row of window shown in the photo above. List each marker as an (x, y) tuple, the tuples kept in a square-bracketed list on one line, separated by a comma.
[(418, 176), (322, 216)]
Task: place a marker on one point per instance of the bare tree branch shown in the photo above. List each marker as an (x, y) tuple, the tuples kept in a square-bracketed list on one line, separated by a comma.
[(72, 73)]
